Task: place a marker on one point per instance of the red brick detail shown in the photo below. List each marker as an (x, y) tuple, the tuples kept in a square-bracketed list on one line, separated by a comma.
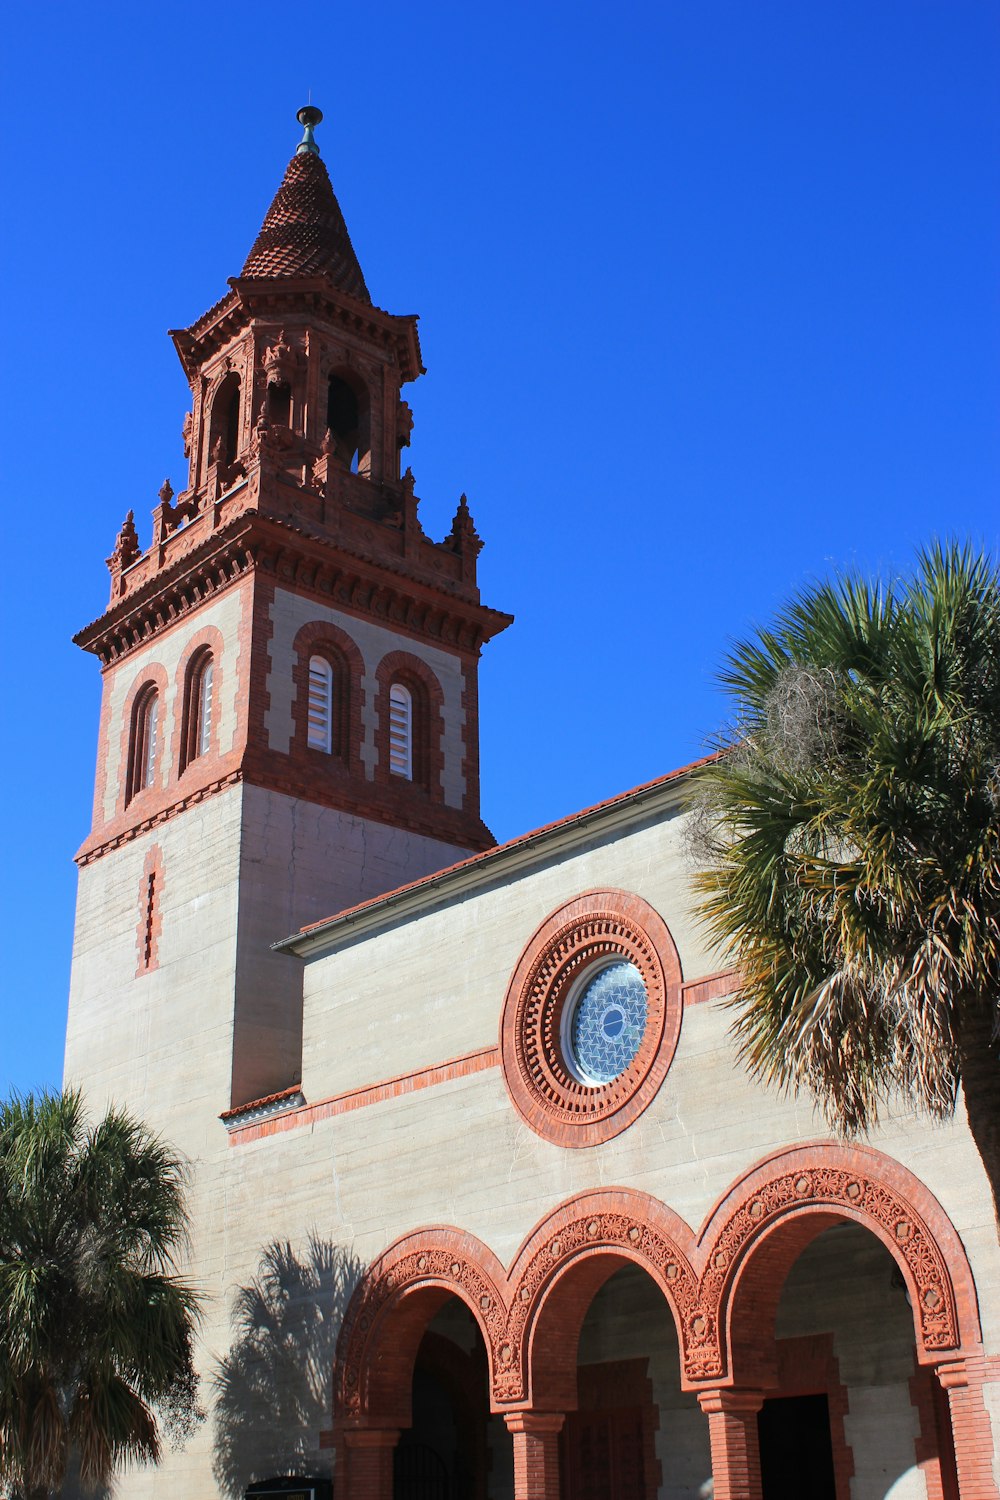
[(807, 1366), (94, 850), (732, 1429), (391, 1308), (185, 764), (536, 1454), (710, 987), (364, 1467), (360, 1098), (320, 638), (150, 907), (428, 727), (243, 1109), (592, 928), (935, 1446), (721, 1286), (563, 1264), (765, 1221), (152, 677), (470, 733), (970, 1425)]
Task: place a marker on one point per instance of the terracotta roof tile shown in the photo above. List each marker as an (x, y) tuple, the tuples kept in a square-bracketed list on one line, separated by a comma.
[(304, 234)]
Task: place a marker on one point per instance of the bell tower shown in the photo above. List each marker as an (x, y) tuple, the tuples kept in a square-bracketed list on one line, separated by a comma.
[(289, 720)]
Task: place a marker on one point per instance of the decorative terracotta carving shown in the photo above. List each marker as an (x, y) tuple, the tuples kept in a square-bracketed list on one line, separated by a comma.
[(602, 925), (699, 1275)]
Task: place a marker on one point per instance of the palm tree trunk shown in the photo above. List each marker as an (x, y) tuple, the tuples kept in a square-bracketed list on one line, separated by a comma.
[(980, 1050)]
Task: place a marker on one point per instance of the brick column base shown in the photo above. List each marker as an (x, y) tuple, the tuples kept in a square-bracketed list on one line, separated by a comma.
[(732, 1428), (364, 1462), (536, 1453), (970, 1426)]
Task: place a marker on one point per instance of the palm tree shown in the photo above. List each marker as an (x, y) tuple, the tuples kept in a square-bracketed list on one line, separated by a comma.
[(852, 833), (95, 1327)]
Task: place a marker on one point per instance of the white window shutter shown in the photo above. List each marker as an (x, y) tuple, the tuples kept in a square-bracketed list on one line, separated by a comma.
[(320, 714), (400, 731)]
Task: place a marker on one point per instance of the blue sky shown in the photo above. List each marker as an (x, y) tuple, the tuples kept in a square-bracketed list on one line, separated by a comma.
[(708, 306)]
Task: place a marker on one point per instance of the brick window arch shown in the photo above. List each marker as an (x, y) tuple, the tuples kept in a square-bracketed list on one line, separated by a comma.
[(199, 712), (327, 671), (224, 438), (145, 733), (348, 419), (410, 708)]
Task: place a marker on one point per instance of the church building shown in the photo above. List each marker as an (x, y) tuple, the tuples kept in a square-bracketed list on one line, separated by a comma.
[(484, 1206)]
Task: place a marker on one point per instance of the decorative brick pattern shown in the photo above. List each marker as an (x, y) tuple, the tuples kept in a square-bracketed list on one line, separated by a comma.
[(304, 234), (599, 926), (208, 638), (732, 1429), (428, 727), (970, 1425), (335, 646), (361, 1098), (150, 904), (721, 1285)]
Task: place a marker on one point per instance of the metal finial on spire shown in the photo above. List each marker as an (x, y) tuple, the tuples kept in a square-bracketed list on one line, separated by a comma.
[(308, 117)]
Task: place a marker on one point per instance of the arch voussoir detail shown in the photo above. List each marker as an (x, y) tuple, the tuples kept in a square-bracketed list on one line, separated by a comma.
[(619, 1222), (448, 1260), (863, 1186), (769, 1213)]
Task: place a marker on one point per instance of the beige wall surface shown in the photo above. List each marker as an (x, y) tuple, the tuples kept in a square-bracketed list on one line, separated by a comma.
[(423, 991)]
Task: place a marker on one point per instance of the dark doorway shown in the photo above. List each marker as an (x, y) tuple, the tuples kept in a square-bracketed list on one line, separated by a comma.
[(796, 1451), (602, 1455), (418, 1472)]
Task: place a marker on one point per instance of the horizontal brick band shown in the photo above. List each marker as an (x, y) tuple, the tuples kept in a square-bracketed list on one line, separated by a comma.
[(374, 1093)]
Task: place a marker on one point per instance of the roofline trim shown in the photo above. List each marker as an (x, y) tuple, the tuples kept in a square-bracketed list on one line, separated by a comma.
[(323, 937)]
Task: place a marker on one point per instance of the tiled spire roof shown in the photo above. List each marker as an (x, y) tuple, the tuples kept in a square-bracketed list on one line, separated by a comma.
[(304, 234)]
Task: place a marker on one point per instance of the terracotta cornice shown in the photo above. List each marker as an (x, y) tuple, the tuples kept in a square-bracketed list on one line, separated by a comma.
[(251, 298), (94, 847), (325, 570), (167, 596)]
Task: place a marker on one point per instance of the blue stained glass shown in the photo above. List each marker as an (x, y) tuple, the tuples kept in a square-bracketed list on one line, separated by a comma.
[(607, 1023)]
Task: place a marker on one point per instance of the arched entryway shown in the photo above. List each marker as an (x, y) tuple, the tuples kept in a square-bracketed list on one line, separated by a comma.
[(847, 1335), (752, 1308)]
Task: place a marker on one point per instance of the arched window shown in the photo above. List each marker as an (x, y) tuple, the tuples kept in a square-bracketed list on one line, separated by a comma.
[(320, 716), (348, 421), (400, 731), (197, 736), (225, 431), (142, 742)]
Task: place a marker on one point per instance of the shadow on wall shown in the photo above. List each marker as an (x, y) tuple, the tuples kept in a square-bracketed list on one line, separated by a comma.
[(274, 1389)]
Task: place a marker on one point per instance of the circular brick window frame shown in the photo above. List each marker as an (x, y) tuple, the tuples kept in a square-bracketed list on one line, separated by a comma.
[(592, 930)]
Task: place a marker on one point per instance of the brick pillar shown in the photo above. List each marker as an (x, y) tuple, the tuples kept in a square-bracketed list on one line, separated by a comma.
[(971, 1427), (364, 1462), (732, 1428), (536, 1453)]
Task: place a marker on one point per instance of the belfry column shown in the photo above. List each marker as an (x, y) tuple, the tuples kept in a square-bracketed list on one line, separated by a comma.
[(970, 1426), (365, 1462), (732, 1427), (536, 1453)]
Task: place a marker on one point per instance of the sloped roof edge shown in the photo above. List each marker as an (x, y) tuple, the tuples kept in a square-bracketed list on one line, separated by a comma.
[(324, 936)]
